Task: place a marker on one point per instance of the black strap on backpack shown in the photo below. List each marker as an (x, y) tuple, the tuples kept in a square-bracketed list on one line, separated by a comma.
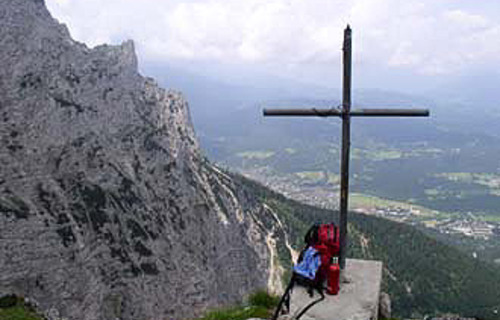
[(310, 305), (311, 237), (285, 299), (311, 285)]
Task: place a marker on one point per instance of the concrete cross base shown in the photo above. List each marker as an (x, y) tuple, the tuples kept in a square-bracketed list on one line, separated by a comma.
[(358, 298)]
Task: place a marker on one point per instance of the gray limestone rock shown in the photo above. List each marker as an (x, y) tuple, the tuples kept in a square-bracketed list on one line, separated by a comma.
[(384, 309), (107, 208)]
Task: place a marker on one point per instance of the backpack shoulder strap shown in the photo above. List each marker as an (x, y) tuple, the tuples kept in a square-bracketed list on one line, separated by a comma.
[(310, 305), (285, 299), (312, 235)]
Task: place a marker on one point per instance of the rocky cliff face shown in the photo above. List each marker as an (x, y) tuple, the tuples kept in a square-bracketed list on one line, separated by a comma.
[(107, 208)]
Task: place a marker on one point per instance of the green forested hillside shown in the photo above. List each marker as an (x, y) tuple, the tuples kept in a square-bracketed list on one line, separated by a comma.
[(422, 275)]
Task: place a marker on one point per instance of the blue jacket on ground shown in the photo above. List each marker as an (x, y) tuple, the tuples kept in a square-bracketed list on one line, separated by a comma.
[(309, 265)]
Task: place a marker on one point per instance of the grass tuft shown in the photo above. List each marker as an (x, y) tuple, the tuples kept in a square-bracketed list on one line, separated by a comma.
[(14, 308), (237, 313), (260, 305), (262, 298)]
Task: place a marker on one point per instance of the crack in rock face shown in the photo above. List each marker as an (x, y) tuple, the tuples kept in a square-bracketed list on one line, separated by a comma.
[(107, 208)]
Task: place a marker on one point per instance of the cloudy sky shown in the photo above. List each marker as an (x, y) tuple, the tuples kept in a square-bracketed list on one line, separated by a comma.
[(393, 39)]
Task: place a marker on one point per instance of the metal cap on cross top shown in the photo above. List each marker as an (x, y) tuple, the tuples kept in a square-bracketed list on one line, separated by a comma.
[(345, 114)]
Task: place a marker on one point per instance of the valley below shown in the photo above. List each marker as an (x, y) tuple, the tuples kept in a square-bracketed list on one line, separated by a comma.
[(458, 207), (475, 233)]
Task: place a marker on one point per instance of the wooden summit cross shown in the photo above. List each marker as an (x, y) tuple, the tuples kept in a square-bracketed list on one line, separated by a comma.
[(346, 113)]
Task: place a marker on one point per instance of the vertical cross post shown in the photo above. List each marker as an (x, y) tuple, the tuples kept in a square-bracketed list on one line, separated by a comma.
[(346, 142)]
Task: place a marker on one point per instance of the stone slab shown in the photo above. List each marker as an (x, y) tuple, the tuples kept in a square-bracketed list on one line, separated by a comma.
[(358, 298)]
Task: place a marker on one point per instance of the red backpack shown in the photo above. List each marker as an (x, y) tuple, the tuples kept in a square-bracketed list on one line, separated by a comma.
[(326, 239)]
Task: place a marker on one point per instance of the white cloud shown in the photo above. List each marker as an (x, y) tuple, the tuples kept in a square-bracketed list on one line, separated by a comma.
[(405, 55), (465, 20), (424, 37)]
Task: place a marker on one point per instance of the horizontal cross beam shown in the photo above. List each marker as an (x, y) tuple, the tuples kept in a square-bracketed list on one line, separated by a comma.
[(353, 113)]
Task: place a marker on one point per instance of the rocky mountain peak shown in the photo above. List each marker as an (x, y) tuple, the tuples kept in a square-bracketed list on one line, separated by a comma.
[(107, 208)]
